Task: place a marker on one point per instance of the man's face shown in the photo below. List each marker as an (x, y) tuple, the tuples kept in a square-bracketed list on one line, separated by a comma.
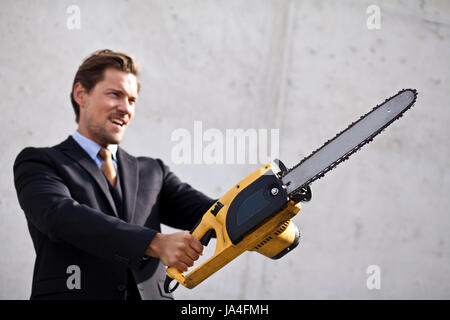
[(106, 111)]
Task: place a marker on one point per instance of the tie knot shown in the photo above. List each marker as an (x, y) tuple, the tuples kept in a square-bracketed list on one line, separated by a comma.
[(105, 154)]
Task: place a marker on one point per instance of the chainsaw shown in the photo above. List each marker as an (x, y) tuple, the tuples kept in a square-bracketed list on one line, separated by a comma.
[(256, 214)]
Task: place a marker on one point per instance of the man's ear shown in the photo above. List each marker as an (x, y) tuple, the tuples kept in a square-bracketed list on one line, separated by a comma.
[(79, 94)]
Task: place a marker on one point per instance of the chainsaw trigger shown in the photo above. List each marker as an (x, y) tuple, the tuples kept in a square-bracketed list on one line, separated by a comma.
[(207, 237)]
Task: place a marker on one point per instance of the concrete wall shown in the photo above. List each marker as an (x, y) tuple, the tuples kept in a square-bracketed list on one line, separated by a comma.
[(307, 68)]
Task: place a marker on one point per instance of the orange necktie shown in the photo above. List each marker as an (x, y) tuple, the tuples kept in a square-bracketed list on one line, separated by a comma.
[(108, 168)]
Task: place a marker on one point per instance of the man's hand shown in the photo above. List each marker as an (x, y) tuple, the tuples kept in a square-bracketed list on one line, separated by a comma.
[(178, 250)]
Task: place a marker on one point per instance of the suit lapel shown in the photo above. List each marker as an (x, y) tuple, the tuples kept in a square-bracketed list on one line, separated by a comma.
[(71, 148), (128, 170)]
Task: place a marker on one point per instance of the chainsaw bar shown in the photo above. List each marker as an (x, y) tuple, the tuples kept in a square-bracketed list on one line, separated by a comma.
[(346, 143)]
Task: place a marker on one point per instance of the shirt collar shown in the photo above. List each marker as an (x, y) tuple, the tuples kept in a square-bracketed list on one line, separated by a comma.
[(91, 147)]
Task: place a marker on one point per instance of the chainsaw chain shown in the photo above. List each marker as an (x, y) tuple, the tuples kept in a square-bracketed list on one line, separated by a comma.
[(297, 191)]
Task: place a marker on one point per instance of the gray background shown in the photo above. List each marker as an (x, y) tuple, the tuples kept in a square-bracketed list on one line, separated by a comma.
[(307, 68)]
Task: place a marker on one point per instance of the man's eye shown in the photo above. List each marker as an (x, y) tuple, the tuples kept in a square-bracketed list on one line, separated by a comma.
[(115, 94)]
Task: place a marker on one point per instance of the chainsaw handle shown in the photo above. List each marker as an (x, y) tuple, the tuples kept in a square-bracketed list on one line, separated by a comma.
[(203, 233)]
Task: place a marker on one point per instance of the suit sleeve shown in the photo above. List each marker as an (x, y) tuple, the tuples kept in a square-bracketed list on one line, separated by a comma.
[(182, 206), (48, 205)]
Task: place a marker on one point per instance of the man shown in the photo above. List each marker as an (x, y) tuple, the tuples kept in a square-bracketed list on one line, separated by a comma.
[(93, 210)]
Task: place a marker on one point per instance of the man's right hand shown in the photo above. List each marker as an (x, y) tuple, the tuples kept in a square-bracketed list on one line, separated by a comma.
[(179, 249)]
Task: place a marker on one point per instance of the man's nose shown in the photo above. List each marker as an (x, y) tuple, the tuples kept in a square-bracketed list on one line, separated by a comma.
[(124, 106)]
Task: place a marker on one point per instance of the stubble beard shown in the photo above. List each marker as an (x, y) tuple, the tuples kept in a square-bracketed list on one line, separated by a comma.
[(102, 136)]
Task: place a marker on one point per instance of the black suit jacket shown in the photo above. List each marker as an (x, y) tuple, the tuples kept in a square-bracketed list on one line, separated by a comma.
[(73, 220)]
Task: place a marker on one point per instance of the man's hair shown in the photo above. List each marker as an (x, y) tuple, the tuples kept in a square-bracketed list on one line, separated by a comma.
[(93, 68)]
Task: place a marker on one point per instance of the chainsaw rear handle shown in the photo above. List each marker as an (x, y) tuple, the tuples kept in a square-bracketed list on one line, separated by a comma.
[(255, 215), (204, 241), (174, 273), (284, 240)]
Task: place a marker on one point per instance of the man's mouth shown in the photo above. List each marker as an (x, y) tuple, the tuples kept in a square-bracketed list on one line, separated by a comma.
[(119, 122)]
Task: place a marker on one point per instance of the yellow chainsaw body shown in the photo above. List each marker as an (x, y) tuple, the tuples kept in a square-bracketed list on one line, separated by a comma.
[(270, 237)]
